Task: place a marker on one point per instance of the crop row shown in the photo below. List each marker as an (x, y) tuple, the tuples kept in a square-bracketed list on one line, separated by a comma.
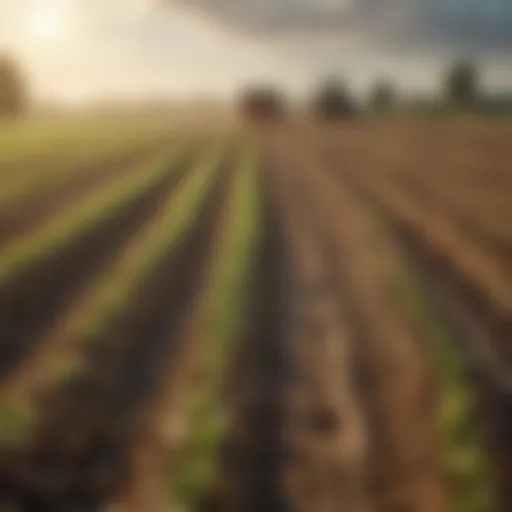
[(479, 209), (42, 272), (42, 176), (91, 339), (110, 296), (222, 313), (478, 202)]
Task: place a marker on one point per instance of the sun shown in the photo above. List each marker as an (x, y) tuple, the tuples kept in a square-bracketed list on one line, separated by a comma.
[(48, 22)]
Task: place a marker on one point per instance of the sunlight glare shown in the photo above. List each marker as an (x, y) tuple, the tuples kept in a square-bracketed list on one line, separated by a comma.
[(48, 22)]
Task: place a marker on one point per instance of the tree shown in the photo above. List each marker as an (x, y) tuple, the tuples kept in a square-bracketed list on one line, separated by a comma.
[(333, 101), (383, 96), (262, 103), (12, 88), (462, 85)]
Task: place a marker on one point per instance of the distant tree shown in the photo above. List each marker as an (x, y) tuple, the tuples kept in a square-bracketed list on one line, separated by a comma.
[(462, 85), (333, 101), (12, 88), (423, 105), (383, 96), (263, 103)]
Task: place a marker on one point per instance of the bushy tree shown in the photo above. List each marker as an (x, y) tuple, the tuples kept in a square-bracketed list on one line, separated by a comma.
[(462, 86), (12, 88), (333, 100), (383, 96), (263, 102)]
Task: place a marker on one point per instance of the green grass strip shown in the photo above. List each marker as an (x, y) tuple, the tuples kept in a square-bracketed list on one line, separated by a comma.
[(110, 299), (225, 309), (463, 460), (81, 160), (39, 136), (164, 236), (89, 212)]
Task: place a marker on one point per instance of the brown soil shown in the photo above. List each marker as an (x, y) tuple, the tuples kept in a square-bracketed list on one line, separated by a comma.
[(485, 271), (484, 340), (478, 210), (466, 307), (476, 325), (394, 385), (324, 423)]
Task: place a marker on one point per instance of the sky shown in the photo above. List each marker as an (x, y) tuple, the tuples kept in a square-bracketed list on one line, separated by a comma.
[(84, 50)]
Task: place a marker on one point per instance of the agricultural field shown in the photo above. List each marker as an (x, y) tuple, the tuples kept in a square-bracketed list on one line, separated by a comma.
[(289, 317)]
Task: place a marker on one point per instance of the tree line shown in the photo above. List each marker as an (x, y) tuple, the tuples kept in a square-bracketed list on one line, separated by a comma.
[(461, 91), (13, 88)]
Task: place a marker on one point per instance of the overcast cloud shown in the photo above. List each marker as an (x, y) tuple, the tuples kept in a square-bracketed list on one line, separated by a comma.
[(410, 41), (139, 48), (473, 24)]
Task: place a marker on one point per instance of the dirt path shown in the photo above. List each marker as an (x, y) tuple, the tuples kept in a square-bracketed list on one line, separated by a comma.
[(324, 423), (395, 384), (298, 441)]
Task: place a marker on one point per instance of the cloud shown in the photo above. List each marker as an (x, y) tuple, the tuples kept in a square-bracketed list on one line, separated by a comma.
[(131, 47), (470, 24)]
